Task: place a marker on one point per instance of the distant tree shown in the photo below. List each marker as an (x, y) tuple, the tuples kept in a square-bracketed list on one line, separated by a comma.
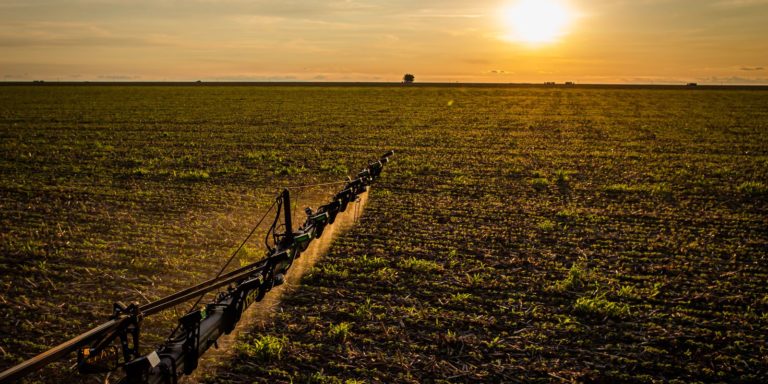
[(408, 78)]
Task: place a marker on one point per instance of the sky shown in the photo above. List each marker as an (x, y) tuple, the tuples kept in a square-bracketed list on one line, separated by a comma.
[(594, 41)]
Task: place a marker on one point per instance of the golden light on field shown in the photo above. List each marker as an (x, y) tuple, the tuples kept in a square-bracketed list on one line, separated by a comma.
[(537, 21)]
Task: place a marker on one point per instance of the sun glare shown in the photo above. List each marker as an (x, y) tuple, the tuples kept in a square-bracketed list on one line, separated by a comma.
[(536, 21)]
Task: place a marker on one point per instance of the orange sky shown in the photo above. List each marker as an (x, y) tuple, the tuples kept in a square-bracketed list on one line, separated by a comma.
[(619, 41)]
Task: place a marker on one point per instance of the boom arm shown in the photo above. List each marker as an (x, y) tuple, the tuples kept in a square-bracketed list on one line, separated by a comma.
[(198, 330)]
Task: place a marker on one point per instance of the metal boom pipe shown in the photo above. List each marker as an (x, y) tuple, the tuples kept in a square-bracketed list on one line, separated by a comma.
[(59, 351), (200, 329)]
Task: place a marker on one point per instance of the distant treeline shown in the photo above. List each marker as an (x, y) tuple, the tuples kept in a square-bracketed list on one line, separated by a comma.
[(374, 84)]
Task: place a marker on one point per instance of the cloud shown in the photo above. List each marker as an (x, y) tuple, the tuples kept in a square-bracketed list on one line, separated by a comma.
[(442, 14), (118, 77), (736, 80), (752, 68), (256, 78), (46, 34), (24, 76), (739, 3)]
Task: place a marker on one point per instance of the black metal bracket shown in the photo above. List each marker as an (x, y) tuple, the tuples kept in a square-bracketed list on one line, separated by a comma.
[(103, 357), (190, 324)]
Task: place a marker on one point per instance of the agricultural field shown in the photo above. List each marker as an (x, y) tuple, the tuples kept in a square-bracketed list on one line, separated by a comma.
[(520, 234)]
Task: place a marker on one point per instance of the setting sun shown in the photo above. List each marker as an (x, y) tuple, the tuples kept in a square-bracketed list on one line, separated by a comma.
[(536, 21)]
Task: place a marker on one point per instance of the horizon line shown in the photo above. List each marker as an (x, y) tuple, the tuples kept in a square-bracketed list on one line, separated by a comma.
[(691, 85)]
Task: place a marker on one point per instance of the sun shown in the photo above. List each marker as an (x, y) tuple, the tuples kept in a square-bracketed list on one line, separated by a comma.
[(536, 21)]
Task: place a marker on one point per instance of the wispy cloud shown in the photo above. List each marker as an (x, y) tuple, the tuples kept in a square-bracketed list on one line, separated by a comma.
[(119, 77), (736, 80), (739, 3), (256, 78), (72, 34)]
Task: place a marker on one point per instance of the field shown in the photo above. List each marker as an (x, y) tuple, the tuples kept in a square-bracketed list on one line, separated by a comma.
[(520, 234)]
